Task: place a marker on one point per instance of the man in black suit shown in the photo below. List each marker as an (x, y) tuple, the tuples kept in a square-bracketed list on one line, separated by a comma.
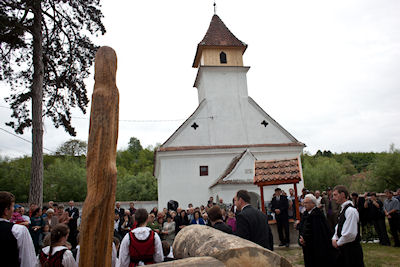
[(120, 211), (280, 205), (252, 224), (73, 212)]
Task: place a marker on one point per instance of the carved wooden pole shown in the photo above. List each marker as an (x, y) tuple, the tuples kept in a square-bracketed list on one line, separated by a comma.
[(98, 210)]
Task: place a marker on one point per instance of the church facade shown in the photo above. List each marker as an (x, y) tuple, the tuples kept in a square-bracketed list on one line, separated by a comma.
[(213, 153)]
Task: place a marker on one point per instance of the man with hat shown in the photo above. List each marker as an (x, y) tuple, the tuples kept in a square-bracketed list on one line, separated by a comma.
[(280, 205)]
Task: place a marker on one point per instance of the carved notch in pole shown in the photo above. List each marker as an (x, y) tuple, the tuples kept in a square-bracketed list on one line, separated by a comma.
[(98, 210)]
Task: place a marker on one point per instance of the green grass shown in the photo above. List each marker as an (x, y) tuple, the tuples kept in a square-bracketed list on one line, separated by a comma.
[(375, 255)]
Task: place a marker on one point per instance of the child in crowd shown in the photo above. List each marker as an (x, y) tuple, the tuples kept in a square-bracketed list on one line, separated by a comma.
[(231, 221), (167, 250)]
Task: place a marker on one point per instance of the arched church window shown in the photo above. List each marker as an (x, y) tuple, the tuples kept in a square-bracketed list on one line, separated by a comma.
[(222, 58)]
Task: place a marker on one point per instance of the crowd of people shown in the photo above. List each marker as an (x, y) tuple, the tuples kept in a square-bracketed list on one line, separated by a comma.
[(341, 245), (329, 227), (45, 236), (372, 212)]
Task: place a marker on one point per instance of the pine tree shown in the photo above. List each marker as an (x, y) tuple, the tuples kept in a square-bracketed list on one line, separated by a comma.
[(45, 55)]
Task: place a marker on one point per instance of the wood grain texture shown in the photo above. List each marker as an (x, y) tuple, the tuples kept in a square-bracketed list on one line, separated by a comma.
[(98, 211), (200, 241)]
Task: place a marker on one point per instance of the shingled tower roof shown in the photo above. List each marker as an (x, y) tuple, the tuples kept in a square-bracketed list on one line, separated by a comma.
[(218, 35)]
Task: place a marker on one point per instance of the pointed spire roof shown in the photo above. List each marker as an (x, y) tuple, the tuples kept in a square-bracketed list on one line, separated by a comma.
[(217, 35)]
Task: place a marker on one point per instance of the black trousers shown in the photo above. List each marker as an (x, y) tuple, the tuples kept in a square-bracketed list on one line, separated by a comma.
[(394, 224), (72, 238), (283, 224), (351, 255), (380, 228)]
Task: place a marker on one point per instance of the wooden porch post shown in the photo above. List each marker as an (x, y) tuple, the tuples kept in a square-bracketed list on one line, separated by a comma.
[(262, 199), (296, 200)]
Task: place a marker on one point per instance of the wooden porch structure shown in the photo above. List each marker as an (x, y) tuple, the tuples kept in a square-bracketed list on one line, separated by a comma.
[(278, 172)]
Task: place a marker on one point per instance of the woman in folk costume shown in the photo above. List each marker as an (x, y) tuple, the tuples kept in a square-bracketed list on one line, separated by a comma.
[(141, 246), (57, 254)]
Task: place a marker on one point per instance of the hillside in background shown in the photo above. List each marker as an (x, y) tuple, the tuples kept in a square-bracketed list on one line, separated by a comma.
[(65, 172)]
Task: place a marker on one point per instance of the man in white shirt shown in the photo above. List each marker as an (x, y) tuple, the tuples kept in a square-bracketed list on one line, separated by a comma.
[(391, 208), (347, 234), (16, 246), (318, 198), (145, 244)]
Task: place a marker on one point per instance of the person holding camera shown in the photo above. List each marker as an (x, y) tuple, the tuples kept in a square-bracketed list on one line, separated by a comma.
[(377, 216)]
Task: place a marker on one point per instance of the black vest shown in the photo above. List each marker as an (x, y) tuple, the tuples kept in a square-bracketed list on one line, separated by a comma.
[(342, 219), (9, 253)]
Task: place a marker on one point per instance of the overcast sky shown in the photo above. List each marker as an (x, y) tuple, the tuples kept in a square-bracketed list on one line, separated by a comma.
[(327, 71)]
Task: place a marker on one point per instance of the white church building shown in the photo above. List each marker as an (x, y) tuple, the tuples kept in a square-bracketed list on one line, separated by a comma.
[(213, 153)]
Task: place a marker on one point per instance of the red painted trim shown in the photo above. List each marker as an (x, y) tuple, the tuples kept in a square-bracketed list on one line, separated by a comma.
[(182, 148)]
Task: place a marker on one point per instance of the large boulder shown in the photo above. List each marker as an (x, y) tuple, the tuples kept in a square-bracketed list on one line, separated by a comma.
[(202, 241), (192, 262)]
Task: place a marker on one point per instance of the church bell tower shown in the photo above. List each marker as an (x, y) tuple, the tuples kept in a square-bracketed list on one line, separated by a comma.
[(219, 47), (221, 76)]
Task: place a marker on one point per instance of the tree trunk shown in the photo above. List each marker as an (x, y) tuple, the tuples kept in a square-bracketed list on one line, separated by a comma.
[(98, 210), (36, 186), (199, 241)]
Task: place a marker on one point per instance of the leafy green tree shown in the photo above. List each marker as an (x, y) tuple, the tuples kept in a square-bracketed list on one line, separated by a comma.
[(134, 146), (135, 159), (318, 154), (45, 55), (385, 171), (142, 186), (321, 172), (14, 177), (359, 160), (65, 179), (135, 180), (125, 159), (73, 147)]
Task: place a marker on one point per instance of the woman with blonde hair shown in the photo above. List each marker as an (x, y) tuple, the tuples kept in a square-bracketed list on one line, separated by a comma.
[(57, 253)]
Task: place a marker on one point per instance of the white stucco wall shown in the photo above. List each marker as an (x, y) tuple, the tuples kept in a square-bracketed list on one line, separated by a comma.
[(226, 115), (179, 176)]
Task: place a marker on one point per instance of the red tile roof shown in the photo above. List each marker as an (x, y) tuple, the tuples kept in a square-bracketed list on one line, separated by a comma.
[(277, 172), (217, 35)]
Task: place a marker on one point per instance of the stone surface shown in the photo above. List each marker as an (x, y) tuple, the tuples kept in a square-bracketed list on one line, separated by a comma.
[(198, 241), (193, 262), (98, 210)]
